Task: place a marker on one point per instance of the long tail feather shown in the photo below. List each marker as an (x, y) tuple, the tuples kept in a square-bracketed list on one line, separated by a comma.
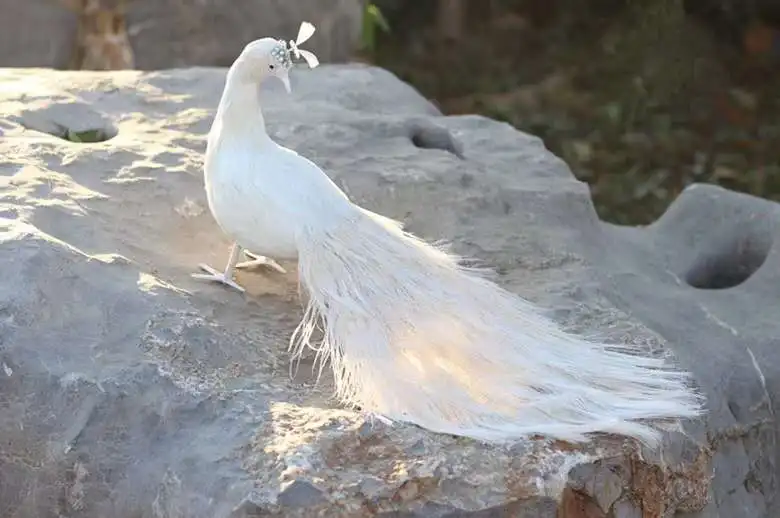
[(413, 335)]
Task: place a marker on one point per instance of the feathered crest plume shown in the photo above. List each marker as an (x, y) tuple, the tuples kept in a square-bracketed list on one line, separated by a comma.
[(304, 33)]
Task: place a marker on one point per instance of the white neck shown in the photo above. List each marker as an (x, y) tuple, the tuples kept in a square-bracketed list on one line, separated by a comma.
[(239, 111)]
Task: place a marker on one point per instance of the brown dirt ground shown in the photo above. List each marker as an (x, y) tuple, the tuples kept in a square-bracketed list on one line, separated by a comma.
[(639, 102)]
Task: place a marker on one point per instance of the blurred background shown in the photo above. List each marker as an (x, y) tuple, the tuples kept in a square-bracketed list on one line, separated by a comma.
[(639, 97)]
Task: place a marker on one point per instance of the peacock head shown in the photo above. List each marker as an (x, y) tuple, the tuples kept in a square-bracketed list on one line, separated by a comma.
[(269, 57)]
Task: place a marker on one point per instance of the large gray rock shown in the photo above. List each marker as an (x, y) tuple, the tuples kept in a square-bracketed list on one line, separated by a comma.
[(167, 34), (178, 33), (128, 389), (36, 33)]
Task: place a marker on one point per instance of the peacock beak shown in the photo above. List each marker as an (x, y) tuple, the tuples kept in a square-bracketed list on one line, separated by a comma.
[(286, 80)]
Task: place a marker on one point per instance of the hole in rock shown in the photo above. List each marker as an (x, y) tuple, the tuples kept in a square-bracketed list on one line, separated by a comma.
[(434, 137), (88, 135), (72, 121), (729, 262)]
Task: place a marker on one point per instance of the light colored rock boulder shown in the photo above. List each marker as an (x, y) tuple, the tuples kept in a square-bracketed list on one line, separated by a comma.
[(129, 389), (179, 33), (36, 33)]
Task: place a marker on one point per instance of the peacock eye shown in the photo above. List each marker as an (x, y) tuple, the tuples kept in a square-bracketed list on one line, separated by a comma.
[(271, 67)]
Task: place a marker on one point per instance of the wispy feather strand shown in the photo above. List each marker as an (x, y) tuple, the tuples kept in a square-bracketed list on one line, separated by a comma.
[(413, 335)]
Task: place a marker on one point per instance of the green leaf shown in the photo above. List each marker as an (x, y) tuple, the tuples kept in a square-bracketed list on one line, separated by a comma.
[(73, 136), (378, 18), (87, 136), (372, 18)]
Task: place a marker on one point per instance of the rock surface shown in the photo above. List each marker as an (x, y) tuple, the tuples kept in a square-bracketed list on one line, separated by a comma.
[(178, 33), (128, 389)]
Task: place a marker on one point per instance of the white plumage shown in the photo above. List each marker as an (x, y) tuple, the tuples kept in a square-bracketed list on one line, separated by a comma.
[(411, 334)]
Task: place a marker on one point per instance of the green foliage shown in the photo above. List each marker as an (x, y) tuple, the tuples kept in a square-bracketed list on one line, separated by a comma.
[(372, 18), (88, 136)]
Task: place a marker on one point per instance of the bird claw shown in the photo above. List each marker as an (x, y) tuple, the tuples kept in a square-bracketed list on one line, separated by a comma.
[(216, 276), (372, 418), (260, 260)]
